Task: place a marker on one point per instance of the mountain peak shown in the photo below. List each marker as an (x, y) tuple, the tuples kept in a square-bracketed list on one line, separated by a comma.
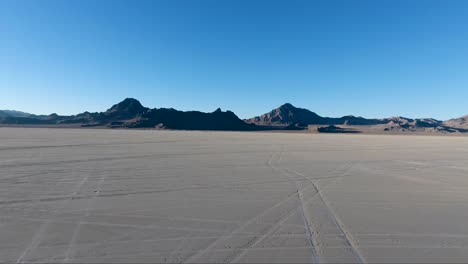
[(130, 99), (287, 105), (128, 108), (130, 105), (286, 114), (461, 122)]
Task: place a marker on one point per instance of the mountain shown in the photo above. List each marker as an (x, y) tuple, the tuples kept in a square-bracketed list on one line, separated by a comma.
[(408, 122), (116, 115), (13, 113), (285, 115), (131, 114), (126, 109), (461, 122), (190, 120), (288, 115)]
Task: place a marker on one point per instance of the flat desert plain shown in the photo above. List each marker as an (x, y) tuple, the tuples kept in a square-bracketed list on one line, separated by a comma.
[(105, 196)]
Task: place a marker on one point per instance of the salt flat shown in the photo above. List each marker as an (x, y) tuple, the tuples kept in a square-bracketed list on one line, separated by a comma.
[(79, 195)]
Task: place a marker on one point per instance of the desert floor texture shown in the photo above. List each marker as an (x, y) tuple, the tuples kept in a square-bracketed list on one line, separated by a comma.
[(105, 196)]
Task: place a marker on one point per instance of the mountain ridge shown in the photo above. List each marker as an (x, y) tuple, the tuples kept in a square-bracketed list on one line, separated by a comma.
[(130, 113), (460, 122), (287, 114), (14, 113)]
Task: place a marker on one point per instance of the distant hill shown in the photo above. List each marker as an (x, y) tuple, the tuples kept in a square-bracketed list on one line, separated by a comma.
[(461, 122), (13, 113), (126, 109), (116, 115), (288, 115), (285, 115), (174, 119), (131, 114)]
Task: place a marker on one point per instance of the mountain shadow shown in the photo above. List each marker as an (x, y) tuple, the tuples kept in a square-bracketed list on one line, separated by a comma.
[(191, 120)]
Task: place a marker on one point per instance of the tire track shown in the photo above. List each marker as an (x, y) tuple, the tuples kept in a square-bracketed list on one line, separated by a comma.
[(42, 229), (116, 158), (276, 225), (312, 234), (76, 233), (238, 230), (349, 240), (311, 238), (88, 145), (76, 197), (157, 227)]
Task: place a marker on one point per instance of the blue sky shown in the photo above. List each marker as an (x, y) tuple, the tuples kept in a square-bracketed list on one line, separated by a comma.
[(368, 58)]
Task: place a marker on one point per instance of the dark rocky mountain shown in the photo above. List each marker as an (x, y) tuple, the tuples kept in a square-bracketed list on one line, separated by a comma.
[(13, 113), (288, 115), (119, 113), (127, 109), (335, 129), (353, 121), (174, 119), (131, 114)]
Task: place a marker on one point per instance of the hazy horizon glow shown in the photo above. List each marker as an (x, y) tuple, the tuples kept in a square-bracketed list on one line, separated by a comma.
[(365, 58)]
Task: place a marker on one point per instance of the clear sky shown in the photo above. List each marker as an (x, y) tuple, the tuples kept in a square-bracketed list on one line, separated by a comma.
[(368, 58)]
